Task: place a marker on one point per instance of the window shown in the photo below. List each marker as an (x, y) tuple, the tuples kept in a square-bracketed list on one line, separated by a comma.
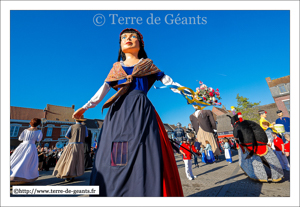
[(64, 129), (49, 130), (14, 130), (287, 105), (282, 89)]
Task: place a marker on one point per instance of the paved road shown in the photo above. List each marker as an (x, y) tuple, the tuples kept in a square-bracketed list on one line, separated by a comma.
[(222, 179), (213, 180)]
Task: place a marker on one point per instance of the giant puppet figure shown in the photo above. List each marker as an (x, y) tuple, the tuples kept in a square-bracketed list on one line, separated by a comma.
[(254, 151), (134, 156), (204, 124)]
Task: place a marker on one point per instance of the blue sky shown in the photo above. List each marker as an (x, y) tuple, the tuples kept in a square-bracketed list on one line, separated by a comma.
[(62, 57)]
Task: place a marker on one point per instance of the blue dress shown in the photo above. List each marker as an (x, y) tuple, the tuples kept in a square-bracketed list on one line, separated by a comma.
[(209, 154), (227, 152), (203, 155), (128, 161)]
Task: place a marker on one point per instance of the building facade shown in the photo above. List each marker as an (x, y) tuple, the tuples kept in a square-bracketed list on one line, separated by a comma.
[(58, 120), (280, 90)]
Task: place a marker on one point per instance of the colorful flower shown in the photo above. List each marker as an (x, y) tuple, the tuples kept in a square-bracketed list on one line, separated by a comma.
[(211, 94)]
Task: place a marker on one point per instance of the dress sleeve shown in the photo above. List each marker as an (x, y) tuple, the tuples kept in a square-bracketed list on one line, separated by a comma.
[(167, 80), (22, 136), (159, 75), (68, 134), (40, 137), (97, 98), (212, 120)]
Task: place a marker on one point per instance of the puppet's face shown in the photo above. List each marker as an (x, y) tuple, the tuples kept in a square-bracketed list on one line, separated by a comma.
[(130, 43), (280, 114), (264, 115)]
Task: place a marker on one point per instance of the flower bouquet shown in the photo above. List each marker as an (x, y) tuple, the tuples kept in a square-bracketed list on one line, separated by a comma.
[(207, 94)]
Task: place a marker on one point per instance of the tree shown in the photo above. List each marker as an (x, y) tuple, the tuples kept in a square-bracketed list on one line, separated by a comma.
[(249, 110)]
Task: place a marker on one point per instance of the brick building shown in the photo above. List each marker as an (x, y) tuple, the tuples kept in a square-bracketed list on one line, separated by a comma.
[(280, 90), (19, 120), (59, 118)]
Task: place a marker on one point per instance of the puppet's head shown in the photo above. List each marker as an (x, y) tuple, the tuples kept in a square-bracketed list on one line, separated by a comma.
[(262, 113), (131, 39), (236, 118)]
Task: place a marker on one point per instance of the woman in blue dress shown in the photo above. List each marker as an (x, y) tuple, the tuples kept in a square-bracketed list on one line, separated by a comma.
[(134, 155), (209, 153), (227, 151), (202, 151)]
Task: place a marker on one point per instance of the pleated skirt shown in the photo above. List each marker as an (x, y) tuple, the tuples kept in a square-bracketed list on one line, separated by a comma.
[(71, 162), (130, 157)]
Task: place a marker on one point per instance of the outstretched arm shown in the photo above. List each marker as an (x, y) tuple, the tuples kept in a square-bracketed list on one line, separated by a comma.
[(167, 80), (95, 100)]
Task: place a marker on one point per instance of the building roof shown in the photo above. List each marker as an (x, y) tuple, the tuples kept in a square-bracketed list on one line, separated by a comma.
[(219, 111), (168, 127), (172, 126), (271, 110), (59, 113), (275, 82), (224, 121), (21, 113)]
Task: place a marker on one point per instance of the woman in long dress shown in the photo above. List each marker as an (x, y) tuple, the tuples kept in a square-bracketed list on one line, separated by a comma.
[(24, 161), (134, 155)]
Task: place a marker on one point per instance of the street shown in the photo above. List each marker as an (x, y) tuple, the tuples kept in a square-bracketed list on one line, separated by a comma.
[(220, 179)]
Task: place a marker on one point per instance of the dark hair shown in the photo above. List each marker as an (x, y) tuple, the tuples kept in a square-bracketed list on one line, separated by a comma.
[(142, 53), (35, 122)]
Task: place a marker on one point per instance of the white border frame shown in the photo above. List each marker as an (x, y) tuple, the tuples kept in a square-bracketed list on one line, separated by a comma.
[(293, 6)]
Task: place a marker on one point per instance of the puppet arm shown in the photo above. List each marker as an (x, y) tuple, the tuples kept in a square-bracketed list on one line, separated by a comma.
[(167, 80), (94, 101)]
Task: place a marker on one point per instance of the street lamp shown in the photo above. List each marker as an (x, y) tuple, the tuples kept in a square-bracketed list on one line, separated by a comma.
[(43, 122)]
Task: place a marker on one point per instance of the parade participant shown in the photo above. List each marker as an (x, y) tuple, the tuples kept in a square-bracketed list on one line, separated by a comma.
[(204, 124), (179, 132), (287, 146), (24, 160), (148, 166), (191, 129), (227, 151), (285, 121), (209, 154), (194, 149), (263, 122), (202, 151), (187, 158), (270, 138), (71, 162), (279, 151), (41, 156)]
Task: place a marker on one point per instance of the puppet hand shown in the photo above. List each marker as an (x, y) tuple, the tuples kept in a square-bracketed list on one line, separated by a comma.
[(77, 114)]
